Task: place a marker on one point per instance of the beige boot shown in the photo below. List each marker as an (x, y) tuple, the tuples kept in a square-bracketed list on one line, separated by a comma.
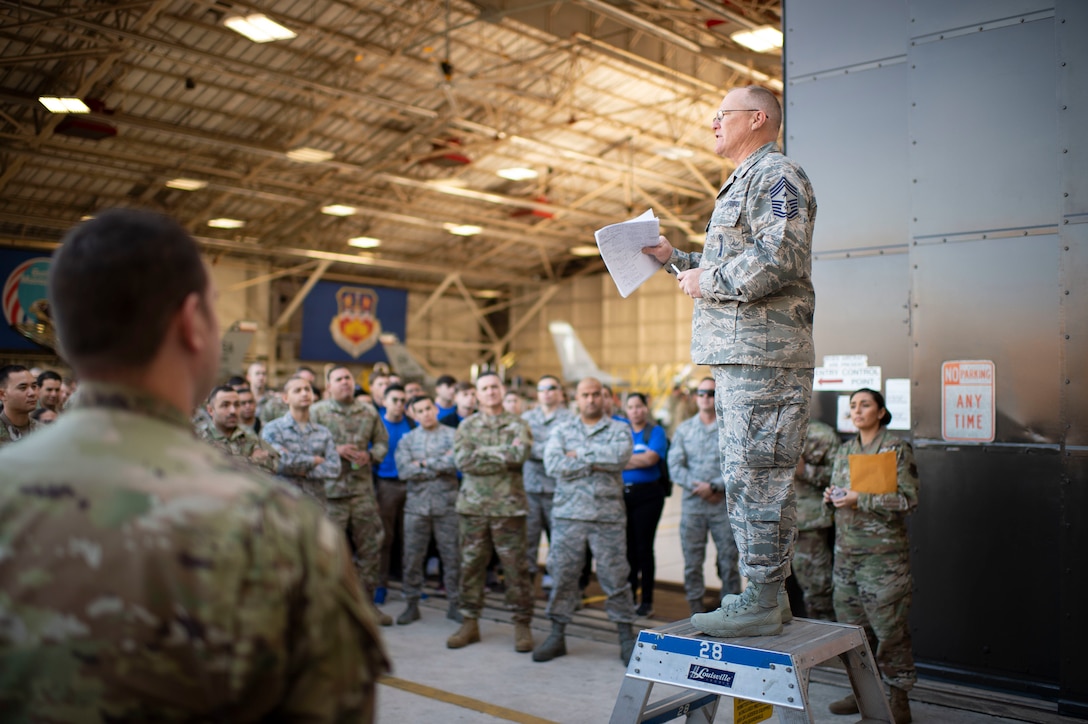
[(846, 705), (469, 633), (754, 613), (900, 702), (523, 638), (783, 603)]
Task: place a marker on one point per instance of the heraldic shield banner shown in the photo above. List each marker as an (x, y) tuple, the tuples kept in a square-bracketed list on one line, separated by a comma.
[(342, 322), (25, 278)]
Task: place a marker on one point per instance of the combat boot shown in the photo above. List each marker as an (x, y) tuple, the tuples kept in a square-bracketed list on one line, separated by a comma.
[(410, 613), (523, 638), (554, 646), (384, 619), (627, 642), (783, 603), (469, 633), (453, 613), (846, 705), (754, 613), (900, 701)]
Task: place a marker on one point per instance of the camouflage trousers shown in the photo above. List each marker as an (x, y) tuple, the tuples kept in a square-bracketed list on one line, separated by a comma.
[(313, 489), (694, 529), (812, 568), (417, 536), (507, 534), (567, 555), (539, 521), (358, 517), (762, 419), (873, 590)]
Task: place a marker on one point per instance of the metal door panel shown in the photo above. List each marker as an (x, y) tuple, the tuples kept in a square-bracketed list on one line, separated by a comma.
[(876, 30), (933, 16)]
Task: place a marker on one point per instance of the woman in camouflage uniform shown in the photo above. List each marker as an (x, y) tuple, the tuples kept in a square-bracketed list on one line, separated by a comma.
[(872, 579)]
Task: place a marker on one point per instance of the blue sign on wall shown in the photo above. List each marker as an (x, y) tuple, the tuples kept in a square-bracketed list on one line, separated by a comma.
[(25, 278), (342, 322)]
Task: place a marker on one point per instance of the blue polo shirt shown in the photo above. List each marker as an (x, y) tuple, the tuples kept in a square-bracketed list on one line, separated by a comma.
[(397, 430)]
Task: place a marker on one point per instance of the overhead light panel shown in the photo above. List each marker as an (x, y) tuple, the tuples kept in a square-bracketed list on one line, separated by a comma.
[(759, 39), (224, 223), (487, 293), (364, 242), (674, 153), (186, 184), (517, 174), (258, 28), (463, 229), (56, 104), (305, 154), (585, 250), (338, 210)]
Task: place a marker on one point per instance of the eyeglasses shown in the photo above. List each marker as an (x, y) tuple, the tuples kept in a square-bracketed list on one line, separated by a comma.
[(549, 388), (705, 393), (721, 114)]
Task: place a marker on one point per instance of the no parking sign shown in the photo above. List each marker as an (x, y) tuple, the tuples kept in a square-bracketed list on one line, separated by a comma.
[(967, 401)]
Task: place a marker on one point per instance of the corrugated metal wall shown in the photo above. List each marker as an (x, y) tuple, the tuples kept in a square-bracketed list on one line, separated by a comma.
[(945, 142)]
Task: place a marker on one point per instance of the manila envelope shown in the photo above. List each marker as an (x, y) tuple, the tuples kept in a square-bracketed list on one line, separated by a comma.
[(873, 473)]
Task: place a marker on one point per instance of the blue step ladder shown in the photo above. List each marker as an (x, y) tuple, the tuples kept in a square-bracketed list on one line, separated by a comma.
[(769, 669)]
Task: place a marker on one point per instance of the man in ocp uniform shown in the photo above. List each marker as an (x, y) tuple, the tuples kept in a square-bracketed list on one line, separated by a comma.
[(226, 434)]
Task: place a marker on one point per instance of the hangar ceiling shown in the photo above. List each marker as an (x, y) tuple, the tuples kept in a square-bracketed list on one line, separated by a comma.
[(417, 104)]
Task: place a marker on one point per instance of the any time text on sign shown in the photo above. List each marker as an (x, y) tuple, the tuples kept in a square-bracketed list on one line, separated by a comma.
[(967, 401)]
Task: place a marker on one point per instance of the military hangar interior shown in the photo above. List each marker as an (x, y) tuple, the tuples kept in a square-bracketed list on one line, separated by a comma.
[(466, 151)]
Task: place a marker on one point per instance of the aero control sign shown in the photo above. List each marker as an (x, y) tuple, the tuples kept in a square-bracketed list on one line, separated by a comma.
[(967, 401)]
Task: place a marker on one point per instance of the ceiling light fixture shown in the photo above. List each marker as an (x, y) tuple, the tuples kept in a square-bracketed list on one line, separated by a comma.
[(224, 223), (258, 28), (305, 154), (186, 184), (56, 104), (338, 210), (463, 229), (487, 293), (674, 153), (364, 242), (517, 174), (585, 250), (759, 39)]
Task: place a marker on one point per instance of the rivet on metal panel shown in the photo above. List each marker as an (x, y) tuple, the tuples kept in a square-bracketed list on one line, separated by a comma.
[(790, 686), (789, 699), (772, 667), (637, 671), (1067, 336), (638, 658)]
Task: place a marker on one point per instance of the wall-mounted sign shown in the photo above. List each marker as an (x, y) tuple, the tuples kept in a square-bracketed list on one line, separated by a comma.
[(846, 372), (897, 400), (343, 322), (25, 276), (967, 401)]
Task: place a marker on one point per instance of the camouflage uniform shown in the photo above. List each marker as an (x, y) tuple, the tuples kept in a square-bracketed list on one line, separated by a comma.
[(754, 327), (242, 443), (271, 407), (298, 446), (539, 486), (425, 461), (589, 509), (352, 506), (812, 554), (872, 559), (10, 433), (694, 457), (490, 450), (145, 576)]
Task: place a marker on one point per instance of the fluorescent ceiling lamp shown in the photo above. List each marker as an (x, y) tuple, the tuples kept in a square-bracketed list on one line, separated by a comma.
[(224, 223), (674, 153), (86, 217), (463, 229), (517, 174), (186, 184), (258, 28), (338, 210), (487, 293), (452, 183), (305, 154), (63, 105), (585, 250), (760, 39), (364, 242)]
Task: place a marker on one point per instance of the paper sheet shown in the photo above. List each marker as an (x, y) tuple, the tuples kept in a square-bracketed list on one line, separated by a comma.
[(621, 248)]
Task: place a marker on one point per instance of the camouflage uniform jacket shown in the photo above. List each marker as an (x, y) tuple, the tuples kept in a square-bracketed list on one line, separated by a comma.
[(355, 424), (298, 445), (537, 479), (694, 456), (590, 485), (10, 433), (879, 523), (270, 407), (242, 443), (758, 301), (425, 462), (490, 450), (146, 576), (818, 453)]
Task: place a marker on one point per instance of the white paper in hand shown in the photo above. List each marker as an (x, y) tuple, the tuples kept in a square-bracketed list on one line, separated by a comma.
[(621, 248)]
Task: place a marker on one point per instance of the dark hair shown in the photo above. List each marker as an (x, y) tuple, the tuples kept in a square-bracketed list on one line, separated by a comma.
[(305, 368), (217, 390), (328, 373), (37, 412), (640, 396), (878, 398), (488, 373), (463, 387), (48, 375), (7, 371), (419, 398), (244, 390), (392, 388), (115, 283), (445, 380)]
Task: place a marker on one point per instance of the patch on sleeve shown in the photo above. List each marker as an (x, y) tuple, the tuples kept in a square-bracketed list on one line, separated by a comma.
[(785, 201)]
